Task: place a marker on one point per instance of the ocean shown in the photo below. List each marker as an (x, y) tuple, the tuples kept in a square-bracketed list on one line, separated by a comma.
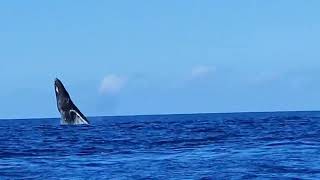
[(279, 145)]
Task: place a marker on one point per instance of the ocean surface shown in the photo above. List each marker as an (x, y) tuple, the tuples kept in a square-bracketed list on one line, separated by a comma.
[(282, 145)]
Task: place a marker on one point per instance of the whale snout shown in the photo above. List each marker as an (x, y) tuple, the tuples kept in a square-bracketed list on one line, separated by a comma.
[(57, 82)]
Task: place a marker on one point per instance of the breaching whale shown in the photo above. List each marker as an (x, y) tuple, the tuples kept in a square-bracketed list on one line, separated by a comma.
[(70, 114)]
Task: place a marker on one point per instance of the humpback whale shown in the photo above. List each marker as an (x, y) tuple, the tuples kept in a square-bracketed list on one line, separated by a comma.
[(70, 114)]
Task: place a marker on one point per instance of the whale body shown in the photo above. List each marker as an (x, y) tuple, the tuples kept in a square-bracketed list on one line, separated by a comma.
[(70, 114)]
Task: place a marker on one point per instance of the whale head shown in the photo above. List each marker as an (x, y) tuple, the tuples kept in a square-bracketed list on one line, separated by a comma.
[(62, 95)]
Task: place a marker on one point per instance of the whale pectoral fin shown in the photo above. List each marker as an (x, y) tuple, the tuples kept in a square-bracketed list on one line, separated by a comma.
[(78, 118)]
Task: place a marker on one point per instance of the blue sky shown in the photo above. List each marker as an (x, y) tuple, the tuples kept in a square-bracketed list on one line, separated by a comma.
[(152, 57)]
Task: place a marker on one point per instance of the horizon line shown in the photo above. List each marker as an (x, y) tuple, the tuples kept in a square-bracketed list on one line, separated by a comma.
[(170, 114)]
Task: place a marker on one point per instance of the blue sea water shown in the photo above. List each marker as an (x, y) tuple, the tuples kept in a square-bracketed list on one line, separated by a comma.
[(281, 145)]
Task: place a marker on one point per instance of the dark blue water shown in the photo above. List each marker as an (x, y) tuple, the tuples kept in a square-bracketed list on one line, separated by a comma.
[(200, 146)]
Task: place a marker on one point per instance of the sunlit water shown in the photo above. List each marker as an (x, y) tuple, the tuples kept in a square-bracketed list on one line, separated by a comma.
[(200, 146)]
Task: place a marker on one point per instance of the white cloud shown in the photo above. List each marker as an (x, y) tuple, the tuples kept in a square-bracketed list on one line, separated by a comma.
[(112, 84), (201, 71)]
